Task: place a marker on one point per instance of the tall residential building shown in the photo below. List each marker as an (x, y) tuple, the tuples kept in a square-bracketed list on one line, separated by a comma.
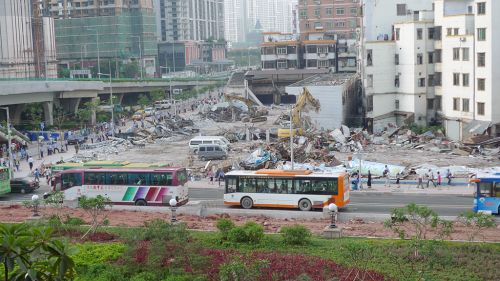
[(91, 30), (339, 16), (27, 46), (183, 20), (241, 17), (431, 62)]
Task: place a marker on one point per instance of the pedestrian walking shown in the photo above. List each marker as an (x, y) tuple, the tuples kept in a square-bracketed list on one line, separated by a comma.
[(37, 175), (448, 176), (76, 148), (17, 164), (386, 175), (430, 178), (420, 181), (66, 144), (398, 175), (30, 162), (439, 179), (211, 176), (369, 183)]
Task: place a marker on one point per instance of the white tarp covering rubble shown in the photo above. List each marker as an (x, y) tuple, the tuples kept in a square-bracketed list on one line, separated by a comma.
[(376, 169), (307, 166), (456, 171), (338, 136)]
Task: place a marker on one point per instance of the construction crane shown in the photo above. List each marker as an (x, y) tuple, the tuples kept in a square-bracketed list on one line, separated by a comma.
[(304, 103)]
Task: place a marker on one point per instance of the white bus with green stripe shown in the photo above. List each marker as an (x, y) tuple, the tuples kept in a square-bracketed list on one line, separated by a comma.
[(125, 186)]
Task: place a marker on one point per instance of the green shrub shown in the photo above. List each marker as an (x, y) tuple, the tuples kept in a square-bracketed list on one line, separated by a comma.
[(94, 253), (237, 270), (295, 235), (144, 276), (224, 226), (250, 232), (74, 221)]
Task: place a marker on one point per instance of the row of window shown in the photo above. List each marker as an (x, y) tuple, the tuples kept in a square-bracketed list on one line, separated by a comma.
[(465, 106), (434, 57), (119, 178), (432, 33), (327, 186), (401, 9), (481, 82), (353, 23), (329, 12)]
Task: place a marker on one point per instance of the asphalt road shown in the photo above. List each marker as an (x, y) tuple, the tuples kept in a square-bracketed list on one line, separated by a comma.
[(373, 202)]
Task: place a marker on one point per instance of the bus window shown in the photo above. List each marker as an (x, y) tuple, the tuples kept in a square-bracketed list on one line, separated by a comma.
[(181, 176), (497, 189), (284, 185), (115, 178), (231, 185), (303, 186), (166, 179), (247, 185), (70, 180), (90, 178), (262, 185), (485, 189), (155, 179), (138, 179)]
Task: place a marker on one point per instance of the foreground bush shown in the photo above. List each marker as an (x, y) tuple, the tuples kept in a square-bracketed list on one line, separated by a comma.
[(250, 232), (224, 226), (295, 235)]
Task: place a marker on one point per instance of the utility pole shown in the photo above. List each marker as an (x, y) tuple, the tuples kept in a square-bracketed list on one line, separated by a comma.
[(9, 139), (291, 136)]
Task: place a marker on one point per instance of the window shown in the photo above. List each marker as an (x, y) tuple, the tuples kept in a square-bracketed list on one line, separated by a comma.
[(329, 25), (481, 8), (396, 81), (437, 78), (465, 54), (396, 59), (465, 105), (231, 185), (448, 31), (340, 23), (430, 57), (369, 61), (437, 102), (421, 82), (396, 104), (419, 33), (456, 53), (116, 178), (430, 80), (455, 31), (329, 11), (430, 104), (437, 54), (480, 108), (481, 84), (420, 59), (369, 103), (481, 59), (397, 34), (318, 25), (70, 180), (317, 12), (369, 80), (401, 9), (430, 33), (247, 185), (322, 49), (437, 32), (340, 11), (323, 63), (481, 34), (456, 79), (303, 14), (138, 178), (281, 64), (281, 51), (465, 79), (354, 11), (456, 104)]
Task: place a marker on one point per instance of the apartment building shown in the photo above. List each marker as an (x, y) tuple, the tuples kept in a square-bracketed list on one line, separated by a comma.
[(280, 51), (339, 16), (468, 67), (431, 62), (184, 20)]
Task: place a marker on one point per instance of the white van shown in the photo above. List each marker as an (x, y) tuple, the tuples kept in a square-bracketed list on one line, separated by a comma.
[(162, 104), (221, 141)]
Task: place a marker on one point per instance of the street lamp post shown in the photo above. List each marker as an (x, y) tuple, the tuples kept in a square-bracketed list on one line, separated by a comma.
[(111, 103), (140, 54), (9, 139), (333, 213), (98, 55), (173, 208)]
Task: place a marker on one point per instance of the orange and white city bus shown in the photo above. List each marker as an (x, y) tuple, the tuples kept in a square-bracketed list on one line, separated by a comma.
[(301, 189)]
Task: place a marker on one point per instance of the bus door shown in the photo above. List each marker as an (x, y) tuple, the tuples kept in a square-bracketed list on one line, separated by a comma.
[(486, 197)]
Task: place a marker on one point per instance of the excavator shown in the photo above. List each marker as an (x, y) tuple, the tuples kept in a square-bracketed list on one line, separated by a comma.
[(304, 102)]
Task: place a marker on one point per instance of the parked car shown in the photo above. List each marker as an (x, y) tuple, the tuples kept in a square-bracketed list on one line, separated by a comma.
[(211, 152), (149, 111), (74, 139), (23, 185), (138, 115)]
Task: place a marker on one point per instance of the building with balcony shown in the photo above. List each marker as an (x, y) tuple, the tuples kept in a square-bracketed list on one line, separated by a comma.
[(280, 51)]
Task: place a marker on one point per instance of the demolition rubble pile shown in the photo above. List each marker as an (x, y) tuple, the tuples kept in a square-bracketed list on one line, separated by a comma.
[(101, 150), (233, 111)]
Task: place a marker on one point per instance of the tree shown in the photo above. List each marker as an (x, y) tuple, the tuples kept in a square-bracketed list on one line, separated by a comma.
[(95, 207), (157, 95), (85, 113), (476, 223), (32, 253), (131, 70), (143, 100)]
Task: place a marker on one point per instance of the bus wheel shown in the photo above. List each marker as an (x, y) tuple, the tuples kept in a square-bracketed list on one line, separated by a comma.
[(141, 202), (305, 205), (246, 202)]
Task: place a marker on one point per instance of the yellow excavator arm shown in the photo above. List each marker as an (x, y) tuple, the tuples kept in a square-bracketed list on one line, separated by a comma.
[(304, 102)]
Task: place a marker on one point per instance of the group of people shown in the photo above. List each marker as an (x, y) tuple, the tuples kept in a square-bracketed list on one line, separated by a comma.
[(218, 175)]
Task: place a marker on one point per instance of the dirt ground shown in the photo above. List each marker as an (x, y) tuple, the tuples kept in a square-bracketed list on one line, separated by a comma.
[(355, 227)]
